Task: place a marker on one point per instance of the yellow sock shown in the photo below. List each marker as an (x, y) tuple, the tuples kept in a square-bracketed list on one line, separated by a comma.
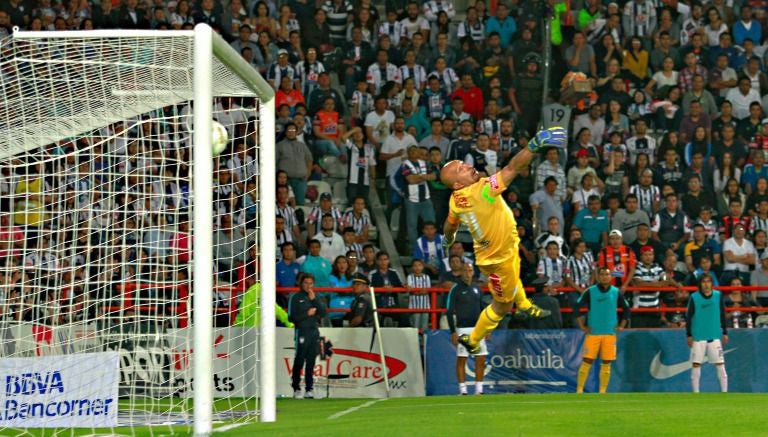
[(605, 376), (521, 299), (581, 379), (486, 323)]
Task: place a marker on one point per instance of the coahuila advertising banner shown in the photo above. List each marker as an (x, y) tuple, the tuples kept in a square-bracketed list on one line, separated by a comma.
[(355, 369), (517, 362), (548, 361), (67, 391)]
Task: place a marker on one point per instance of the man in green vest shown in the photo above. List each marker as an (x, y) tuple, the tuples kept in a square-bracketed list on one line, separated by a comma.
[(705, 328), (250, 310)]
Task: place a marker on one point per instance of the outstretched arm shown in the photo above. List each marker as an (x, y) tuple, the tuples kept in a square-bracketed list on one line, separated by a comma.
[(552, 137)]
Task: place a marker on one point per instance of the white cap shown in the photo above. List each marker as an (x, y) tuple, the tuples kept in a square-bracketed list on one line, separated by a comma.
[(615, 233)]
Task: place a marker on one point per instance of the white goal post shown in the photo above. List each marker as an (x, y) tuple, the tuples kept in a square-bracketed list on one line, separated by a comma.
[(63, 85)]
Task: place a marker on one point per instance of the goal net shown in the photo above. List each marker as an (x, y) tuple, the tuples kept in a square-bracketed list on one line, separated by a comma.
[(125, 247)]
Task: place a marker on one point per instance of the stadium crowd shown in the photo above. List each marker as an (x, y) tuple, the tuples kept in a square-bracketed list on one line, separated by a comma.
[(666, 102)]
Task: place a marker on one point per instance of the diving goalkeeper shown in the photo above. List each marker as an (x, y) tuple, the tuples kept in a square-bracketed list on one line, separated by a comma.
[(477, 203)]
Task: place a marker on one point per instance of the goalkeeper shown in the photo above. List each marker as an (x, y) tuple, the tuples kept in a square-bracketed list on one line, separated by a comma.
[(250, 310), (477, 203)]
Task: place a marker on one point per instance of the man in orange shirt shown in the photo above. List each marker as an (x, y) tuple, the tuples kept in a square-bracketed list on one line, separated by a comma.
[(328, 130), (288, 95), (620, 259), (477, 203)]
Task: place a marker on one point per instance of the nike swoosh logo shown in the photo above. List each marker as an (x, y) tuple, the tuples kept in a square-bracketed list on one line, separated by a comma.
[(660, 370)]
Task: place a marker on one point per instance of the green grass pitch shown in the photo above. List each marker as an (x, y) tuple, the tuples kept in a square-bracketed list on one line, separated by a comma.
[(567, 415)]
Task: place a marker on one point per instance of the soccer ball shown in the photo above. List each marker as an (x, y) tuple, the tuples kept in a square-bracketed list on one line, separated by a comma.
[(219, 137)]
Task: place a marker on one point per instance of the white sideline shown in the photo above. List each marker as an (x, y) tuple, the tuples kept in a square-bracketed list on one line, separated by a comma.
[(353, 409), (229, 427)]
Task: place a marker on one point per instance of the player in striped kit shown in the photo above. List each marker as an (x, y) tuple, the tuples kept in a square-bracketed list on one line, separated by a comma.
[(602, 301), (706, 331)]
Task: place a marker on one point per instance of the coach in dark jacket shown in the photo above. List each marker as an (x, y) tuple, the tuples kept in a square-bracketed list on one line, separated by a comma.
[(305, 310)]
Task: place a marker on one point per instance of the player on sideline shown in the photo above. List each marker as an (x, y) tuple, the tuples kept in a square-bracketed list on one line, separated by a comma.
[(704, 326), (465, 303), (476, 202), (602, 301)]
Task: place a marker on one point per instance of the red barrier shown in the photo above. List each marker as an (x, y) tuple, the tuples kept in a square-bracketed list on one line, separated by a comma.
[(181, 312)]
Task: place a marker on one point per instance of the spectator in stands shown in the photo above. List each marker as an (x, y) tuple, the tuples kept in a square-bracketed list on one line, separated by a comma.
[(414, 118), (381, 72), (754, 171), (648, 275), (619, 259), (727, 167), (593, 223), (759, 278), (586, 189), (471, 95), (361, 164), (643, 231), (350, 242), (705, 266), (546, 203), (742, 97), (288, 268), (700, 246), (482, 157), (417, 201), (316, 99), (461, 146), (551, 268), (324, 208), (593, 121), (648, 196), (378, 123), (385, 279), (317, 265), (579, 268), (722, 77), (429, 249), (230, 247), (735, 217), (759, 221), (287, 212), (295, 158), (696, 198), (670, 225), (368, 263), (332, 245), (394, 150), (328, 129), (739, 254), (551, 234), (358, 219), (418, 284), (288, 95), (690, 123), (551, 168), (629, 218)]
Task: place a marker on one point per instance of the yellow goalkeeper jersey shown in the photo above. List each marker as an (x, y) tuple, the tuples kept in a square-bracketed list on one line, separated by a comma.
[(481, 208)]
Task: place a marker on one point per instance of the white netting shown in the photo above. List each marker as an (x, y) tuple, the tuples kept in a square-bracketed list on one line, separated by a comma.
[(96, 234)]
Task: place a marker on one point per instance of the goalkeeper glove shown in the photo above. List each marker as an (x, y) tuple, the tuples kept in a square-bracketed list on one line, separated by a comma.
[(552, 137)]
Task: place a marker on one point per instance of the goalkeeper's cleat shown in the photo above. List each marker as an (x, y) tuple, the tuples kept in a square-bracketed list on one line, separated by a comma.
[(297, 394), (310, 394), (467, 343), (538, 313)]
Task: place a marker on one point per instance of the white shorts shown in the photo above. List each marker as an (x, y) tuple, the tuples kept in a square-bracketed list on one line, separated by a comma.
[(711, 350), (461, 351)]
